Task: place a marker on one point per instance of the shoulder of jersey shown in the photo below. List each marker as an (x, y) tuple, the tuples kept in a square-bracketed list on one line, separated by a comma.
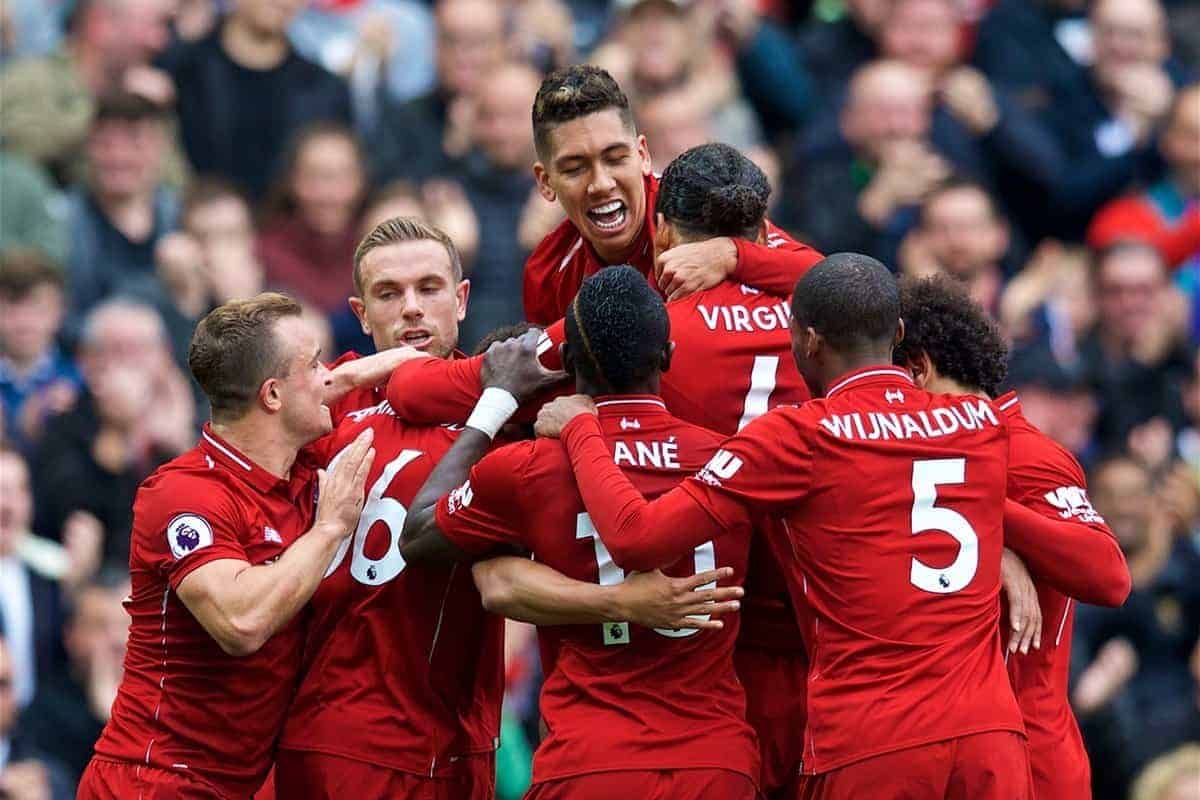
[(553, 251), (191, 478)]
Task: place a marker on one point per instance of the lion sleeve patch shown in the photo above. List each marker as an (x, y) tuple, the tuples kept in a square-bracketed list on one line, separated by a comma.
[(187, 533)]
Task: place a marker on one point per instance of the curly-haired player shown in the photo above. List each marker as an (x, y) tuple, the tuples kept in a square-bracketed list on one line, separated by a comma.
[(951, 345)]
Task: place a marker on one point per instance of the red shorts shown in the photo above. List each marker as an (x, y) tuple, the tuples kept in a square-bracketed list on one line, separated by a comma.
[(665, 784), (121, 780), (985, 766), (319, 776), (776, 707)]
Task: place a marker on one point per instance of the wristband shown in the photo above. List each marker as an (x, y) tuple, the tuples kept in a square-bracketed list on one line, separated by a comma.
[(492, 410)]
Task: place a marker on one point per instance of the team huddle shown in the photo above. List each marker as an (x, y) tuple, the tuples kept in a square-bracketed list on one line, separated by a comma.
[(760, 504)]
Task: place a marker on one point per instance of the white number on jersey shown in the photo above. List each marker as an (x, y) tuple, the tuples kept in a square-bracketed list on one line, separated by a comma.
[(926, 477), (762, 384), (610, 575), (377, 508)]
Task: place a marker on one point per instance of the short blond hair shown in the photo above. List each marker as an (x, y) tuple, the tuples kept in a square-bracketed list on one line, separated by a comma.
[(404, 229)]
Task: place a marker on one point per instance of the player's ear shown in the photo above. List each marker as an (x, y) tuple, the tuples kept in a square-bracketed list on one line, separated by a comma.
[(921, 368), (761, 238), (643, 150), (360, 311), (542, 177), (668, 351), (461, 293), (269, 395), (568, 359), (899, 337)]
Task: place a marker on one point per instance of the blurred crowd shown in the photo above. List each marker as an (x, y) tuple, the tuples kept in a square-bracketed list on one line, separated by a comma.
[(158, 157)]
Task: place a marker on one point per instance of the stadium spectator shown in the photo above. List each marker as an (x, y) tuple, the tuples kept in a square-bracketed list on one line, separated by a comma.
[(960, 233), (1128, 695), (1166, 214), (72, 705), (135, 412), (1055, 398), (38, 574), (115, 219), (833, 51), (1035, 50), (418, 139), (1136, 356), (1106, 126), (496, 178), (36, 378), (382, 48), (1172, 776), (217, 216), (242, 91), (313, 215), (31, 213), (25, 773), (48, 102)]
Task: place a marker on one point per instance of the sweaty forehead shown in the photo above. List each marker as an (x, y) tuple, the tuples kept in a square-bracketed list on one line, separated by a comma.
[(405, 263)]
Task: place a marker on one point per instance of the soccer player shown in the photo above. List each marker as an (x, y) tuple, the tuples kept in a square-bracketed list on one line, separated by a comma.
[(623, 704), (893, 503), (229, 541), (951, 346), (409, 706), (593, 162)]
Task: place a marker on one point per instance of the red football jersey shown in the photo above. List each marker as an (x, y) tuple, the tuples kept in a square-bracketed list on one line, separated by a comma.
[(616, 696), (893, 502), (407, 692), (357, 401), (183, 703), (556, 268), (1044, 477)]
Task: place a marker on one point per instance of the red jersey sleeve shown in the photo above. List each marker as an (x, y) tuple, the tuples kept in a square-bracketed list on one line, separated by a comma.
[(773, 267), (549, 345), (484, 513), (435, 391), (193, 534), (1080, 560)]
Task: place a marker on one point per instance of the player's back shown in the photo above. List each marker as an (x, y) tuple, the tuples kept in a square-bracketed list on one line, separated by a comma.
[(618, 696), (402, 667), (732, 359), (895, 510), (1045, 477)]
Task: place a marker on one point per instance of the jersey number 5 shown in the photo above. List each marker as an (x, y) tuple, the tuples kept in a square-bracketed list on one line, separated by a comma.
[(377, 508), (611, 574), (926, 477)]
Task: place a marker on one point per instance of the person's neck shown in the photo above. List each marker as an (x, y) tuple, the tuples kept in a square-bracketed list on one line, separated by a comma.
[(23, 365), (649, 386), (252, 49), (951, 386), (265, 444), (840, 364), (611, 258), (132, 214)]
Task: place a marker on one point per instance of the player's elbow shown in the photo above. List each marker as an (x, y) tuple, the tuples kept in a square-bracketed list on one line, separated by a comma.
[(1117, 587), (495, 591), (242, 636)]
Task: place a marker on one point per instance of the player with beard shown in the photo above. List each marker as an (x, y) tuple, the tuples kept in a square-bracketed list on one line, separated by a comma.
[(951, 346), (593, 162), (623, 704), (410, 707), (229, 542)]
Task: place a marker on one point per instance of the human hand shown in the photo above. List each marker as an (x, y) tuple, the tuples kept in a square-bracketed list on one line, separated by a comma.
[(83, 539), (968, 95), (555, 415), (448, 208), (656, 600), (341, 487), (1024, 612), (513, 365), (689, 268), (25, 780)]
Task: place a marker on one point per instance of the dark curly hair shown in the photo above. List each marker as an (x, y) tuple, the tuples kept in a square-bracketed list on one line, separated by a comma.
[(573, 92), (617, 330), (714, 190), (962, 341)]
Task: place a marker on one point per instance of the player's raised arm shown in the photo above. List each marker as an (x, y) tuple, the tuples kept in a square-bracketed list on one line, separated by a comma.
[(531, 592), (1079, 560), (369, 370), (243, 605), (510, 371)]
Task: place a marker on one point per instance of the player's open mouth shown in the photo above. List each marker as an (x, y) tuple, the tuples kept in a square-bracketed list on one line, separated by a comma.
[(610, 216), (417, 339)]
